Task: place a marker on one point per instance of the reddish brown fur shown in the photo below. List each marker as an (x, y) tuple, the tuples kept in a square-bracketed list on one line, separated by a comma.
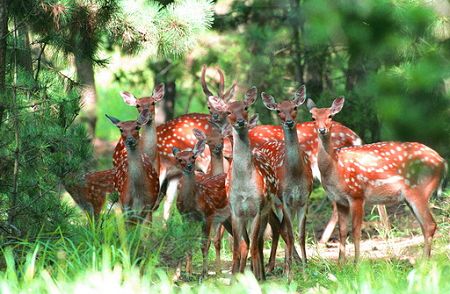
[(202, 198), (247, 186), (130, 130), (90, 192), (293, 171), (383, 172)]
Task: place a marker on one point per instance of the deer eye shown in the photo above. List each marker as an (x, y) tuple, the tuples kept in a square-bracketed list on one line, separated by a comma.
[(153, 103), (121, 130), (313, 119), (278, 111), (295, 108), (330, 116), (138, 128), (245, 108)]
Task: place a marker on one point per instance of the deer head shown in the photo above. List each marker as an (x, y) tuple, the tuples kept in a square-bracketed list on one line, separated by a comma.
[(129, 130), (237, 111), (145, 102), (216, 115), (287, 110), (323, 117), (186, 158)]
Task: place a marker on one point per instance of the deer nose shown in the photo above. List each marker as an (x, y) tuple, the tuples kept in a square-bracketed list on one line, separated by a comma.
[(189, 166), (215, 116), (241, 122), (130, 141), (290, 123), (322, 131)]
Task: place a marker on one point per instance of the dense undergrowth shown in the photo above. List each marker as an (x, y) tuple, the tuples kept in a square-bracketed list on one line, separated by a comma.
[(113, 257)]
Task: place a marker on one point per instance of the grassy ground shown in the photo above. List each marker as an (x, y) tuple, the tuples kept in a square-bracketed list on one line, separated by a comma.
[(111, 257)]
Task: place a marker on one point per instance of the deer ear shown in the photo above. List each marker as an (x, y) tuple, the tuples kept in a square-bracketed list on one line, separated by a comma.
[(128, 98), (217, 103), (250, 96), (175, 151), (199, 148), (158, 92), (337, 105), (114, 120), (230, 93), (253, 121), (310, 104), (299, 96), (269, 101), (199, 134), (144, 117)]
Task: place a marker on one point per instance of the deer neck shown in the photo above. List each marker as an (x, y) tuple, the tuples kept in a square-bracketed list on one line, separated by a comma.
[(136, 177), (242, 155), (293, 162), (187, 192), (326, 157), (216, 164), (149, 143)]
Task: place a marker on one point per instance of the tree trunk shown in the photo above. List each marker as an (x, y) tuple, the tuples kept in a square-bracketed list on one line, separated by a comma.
[(315, 59), (3, 48), (85, 73), (297, 54), (24, 58), (163, 74)]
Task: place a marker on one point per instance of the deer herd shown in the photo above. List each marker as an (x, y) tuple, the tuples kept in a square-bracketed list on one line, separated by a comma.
[(229, 173)]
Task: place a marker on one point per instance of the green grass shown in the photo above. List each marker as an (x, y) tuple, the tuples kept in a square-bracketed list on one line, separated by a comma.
[(120, 259)]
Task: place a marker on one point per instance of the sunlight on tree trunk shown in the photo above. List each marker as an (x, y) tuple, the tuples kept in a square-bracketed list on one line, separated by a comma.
[(85, 73)]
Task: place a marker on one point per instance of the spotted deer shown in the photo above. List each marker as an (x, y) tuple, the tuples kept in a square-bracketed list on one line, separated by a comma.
[(293, 171), (90, 191), (308, 140), (201, 198), (379, 173), (246, 186), (135, 178)]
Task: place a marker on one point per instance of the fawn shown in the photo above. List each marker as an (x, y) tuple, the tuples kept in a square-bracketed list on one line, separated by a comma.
[(201, 198), (292, 170), (136, 179)]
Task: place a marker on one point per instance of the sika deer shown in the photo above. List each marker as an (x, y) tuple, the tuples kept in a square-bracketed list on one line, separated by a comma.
[(149, 144), (246, 186), (89, 192), (135, 178), (379, 173), (308, 140), (201, 198), (292, 170)]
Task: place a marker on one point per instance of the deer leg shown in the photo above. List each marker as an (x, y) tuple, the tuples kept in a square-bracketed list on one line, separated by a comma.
[(422, 212), (206, 244), (236, 245), (217, 245), (287, 229), (343, 212), (357, 210), (384, 218), (264, 221), (330, 226), (170, 197), (189, 263), (276, 227), (254, 247), (302, 231), (243, 247)]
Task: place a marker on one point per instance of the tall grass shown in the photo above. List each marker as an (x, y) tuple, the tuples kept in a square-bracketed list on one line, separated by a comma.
[(111, 257), (121, 259)]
